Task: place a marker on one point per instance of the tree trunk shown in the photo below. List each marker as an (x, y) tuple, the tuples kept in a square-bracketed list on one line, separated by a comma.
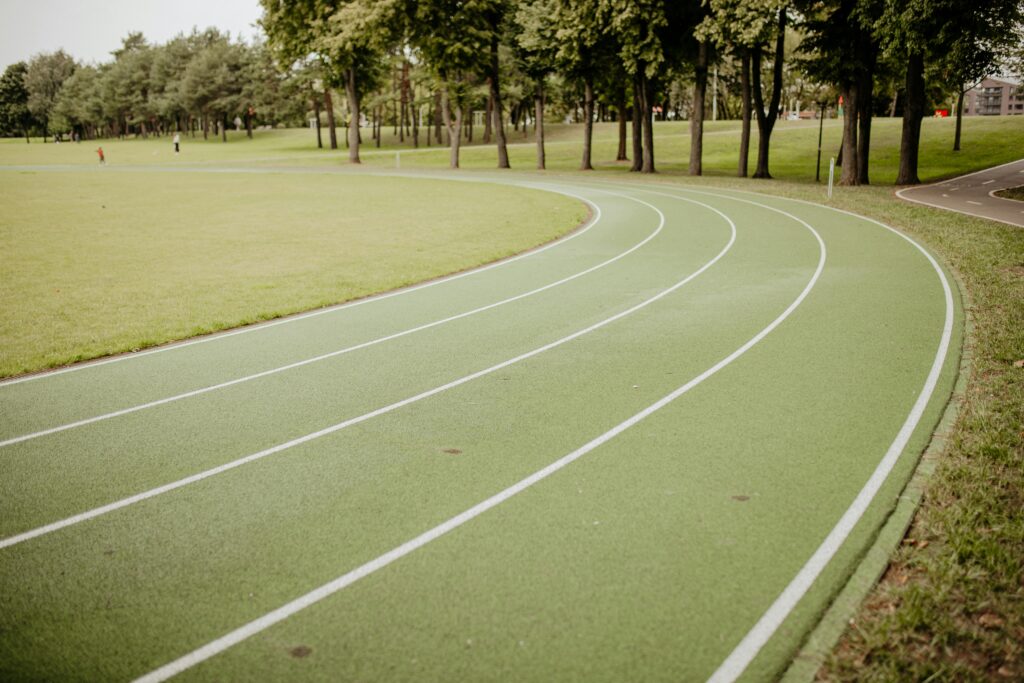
[(848, 157), (488, 109), (499, 128), (438, 113), (638, 145), (404, 101), (766, 121), (352, 95), (454, 130), (588, 123), (913, 113), (647, 122), (316, 115), (864, 107), (329, 107), (959, 116), (700, 88), (741, 170), (224, 128), (538, 109), (620, 115)]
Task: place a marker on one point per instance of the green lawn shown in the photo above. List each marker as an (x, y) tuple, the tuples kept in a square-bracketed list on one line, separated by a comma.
[(101, 262)]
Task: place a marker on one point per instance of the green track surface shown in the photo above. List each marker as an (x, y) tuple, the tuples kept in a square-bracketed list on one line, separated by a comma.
[(649, 558)]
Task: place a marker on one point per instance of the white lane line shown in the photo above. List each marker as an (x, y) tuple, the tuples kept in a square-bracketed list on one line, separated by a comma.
[(988, 182), (281, 613), (970, 201), (748, 648), (333, 354), (944, 194), (216, 336), (145, 495)]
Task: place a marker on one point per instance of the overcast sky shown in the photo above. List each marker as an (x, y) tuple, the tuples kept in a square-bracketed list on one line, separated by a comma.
[(89, 29)]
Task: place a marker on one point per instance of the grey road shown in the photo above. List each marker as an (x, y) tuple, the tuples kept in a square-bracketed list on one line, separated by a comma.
[(972, 194)]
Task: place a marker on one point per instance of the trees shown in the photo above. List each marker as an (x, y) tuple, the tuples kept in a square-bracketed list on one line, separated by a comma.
[(921, 32), (454, 38), (742, 27), (842, 48), (766, 117), (44, 77), (534, 29), (15, 117), (638, 27), (580, 29), (986, 34)]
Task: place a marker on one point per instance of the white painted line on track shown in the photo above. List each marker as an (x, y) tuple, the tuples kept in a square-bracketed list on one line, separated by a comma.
[(339, 352), (748, 648), (266, 621), (971, 201), (988, 182), (216, 336), (151, 493)]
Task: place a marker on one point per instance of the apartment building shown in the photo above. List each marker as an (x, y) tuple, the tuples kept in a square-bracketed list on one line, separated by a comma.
[(995, 97)]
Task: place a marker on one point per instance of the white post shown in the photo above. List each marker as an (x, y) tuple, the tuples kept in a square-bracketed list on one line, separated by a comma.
[(831, 174), (714, 97)]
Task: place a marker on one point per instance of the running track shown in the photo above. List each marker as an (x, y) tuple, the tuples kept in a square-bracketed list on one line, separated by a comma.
[(651, 451)]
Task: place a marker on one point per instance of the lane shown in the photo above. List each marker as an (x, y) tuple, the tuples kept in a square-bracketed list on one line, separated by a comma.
[(648, 559), (974, 194)]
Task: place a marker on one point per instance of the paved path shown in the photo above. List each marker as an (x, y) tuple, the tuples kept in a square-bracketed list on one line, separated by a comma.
[(972, 194)]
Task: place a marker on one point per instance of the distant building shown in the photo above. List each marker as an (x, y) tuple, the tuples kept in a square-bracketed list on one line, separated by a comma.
[(995, 97)]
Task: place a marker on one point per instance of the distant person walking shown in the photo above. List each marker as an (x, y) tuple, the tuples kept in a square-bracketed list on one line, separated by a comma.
[(177, 142), (103, 159)]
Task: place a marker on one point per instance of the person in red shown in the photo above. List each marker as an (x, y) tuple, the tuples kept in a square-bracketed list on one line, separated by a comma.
[(103, 159)]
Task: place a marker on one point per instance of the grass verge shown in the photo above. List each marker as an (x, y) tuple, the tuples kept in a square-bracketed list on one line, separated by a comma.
[(1012, 193)]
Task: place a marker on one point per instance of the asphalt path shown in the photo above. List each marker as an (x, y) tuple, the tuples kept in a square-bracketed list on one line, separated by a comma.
[(973, 194), (651, 451)]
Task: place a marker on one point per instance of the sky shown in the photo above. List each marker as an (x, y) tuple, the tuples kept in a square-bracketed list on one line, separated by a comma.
[(89, 30)]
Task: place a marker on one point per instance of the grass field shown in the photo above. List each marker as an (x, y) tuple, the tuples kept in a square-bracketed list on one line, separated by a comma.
[(103, 262), (653, 522)]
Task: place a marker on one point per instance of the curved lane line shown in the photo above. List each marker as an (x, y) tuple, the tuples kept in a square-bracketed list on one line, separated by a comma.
[(339, 352), (738, 660), (281, 613), (145, 495), (215, 336)]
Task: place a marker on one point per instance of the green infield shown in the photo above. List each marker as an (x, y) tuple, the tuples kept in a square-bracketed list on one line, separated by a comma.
[(101, 262), (654, 450)]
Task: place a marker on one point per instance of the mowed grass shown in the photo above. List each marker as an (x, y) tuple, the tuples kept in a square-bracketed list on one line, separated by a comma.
[(101, 262), (1013, 193)]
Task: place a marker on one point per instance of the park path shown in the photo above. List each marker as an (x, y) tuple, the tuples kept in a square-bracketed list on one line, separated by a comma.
[(652, 451), (973, 194)]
